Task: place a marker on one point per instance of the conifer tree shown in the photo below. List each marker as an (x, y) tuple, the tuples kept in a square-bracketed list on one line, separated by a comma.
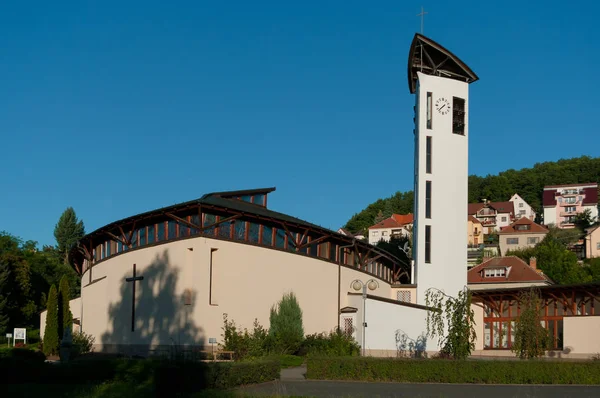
[(65, 317), (51, 331), (286, 324), (68, 231), (4, 319)]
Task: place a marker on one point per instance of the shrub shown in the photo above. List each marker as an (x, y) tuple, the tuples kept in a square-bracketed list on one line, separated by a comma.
[(286, 324), (65, 318), (446, 371), (246, 344), (83, 343), (531, 338), (51, 331), (23, 353), (335, 343)]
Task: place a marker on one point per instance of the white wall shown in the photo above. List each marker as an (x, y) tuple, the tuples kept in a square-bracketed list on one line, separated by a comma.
[(386, 320), (74, 306), (581, 335), (449, 175), (518, 201)]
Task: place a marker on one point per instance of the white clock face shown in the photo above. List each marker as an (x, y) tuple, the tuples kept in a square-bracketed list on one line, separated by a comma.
[(442, 105)]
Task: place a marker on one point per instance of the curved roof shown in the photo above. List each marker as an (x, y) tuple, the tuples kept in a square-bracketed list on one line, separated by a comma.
[(231, 204), (427, 56)]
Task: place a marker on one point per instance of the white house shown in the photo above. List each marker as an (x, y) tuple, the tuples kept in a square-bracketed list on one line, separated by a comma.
[(397, 225), (562, 203), (522, 208), (493, 216)]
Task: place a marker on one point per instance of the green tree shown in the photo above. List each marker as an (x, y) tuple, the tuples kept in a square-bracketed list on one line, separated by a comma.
[(451, 320), (68, 231), (531, 339), (51, 340), (286, 327), (4, 280), (396, 247), (65, 317), (584, 219)]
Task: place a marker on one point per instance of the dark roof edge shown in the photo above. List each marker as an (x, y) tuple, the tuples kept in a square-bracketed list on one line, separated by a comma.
[(419, 37), (395, 302), (240, 192)]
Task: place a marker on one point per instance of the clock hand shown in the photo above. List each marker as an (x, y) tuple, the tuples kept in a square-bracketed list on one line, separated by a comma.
[(442, 107)]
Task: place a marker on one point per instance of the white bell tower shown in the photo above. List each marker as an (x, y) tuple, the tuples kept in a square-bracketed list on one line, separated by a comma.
[(441, 83)]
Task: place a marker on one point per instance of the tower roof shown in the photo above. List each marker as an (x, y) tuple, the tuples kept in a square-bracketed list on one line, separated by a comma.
[(431, 58)]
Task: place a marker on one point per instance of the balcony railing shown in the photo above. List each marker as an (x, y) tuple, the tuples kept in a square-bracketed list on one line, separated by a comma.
[(565, 203), (568, 213), (488, 222), (569, 192)]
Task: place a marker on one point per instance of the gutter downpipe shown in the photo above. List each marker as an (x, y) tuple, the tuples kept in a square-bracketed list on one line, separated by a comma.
[(340, 259)]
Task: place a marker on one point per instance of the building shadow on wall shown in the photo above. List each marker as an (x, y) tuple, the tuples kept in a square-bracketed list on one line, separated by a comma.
[(163, 319)]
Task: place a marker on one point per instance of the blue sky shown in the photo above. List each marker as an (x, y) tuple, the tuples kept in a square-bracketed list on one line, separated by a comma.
[(116, 108)]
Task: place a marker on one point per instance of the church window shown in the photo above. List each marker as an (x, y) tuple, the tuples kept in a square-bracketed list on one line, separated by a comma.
[(150, 234), (458, 116), (253, 232), (172, 232), (240, 230), (429, 113), (428, 243), (160, 235), (195, 219), (142, 232), (428, 155), (280, 239), (183, 230), (428, 199), (267, 235)]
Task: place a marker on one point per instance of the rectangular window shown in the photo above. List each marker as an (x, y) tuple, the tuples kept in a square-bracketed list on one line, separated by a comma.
[(532, 241), (429, 110), (142, 232), (495, 272), (570, 209), (428, 156), (598, 246), (172, 232), (280, 238), (522, 212), (428, 243), (458, 116), (512, 241), (383, 233), (503, 219), (520, 204), (150, 234), (160, 236), (428, 199), (267, 236)]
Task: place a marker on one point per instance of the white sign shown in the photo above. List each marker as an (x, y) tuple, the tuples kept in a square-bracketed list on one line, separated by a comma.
[(212, 340), (20, 334), (8, 335)]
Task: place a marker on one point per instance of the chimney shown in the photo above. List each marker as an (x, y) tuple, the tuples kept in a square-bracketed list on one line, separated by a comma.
[(533, 263)]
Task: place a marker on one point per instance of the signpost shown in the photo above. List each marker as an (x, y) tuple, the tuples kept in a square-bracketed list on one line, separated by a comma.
[(8, 337), (212, 341), (20, 334)]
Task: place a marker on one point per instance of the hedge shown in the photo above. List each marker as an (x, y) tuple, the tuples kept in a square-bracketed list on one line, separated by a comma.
[(448, 371), (165, 376)]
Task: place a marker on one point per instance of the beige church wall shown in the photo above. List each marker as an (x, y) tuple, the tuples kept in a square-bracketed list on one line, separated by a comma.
[(349, 275), (74, 306), (580, 335), (179, 301)]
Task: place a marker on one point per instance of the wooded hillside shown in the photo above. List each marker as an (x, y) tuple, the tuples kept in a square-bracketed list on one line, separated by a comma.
[(528, 183)]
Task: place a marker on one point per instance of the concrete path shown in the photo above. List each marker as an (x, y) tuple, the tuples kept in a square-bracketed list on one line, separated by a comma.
[(293, 383)]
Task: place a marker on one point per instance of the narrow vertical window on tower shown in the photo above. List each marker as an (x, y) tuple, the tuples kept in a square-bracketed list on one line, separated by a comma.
[(458, 116), (429, 105), (427, 199), (428, 155), (428, 243)]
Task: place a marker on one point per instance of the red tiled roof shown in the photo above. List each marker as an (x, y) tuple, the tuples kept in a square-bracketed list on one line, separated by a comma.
[(534, 228), (473, 219), (591, 196), (548, 198), (519, 271), (501, 207), (395, 221), (583, 184)]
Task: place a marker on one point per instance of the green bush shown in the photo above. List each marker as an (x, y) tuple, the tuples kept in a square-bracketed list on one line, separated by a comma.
[(23, 353), (245, 344), (83, 343), (334, 343), (452, 371), (286, 327)]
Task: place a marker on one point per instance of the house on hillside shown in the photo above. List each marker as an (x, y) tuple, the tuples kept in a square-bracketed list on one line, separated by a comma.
[(397, 225), (474, 231), (562, 203), (506, 272), (358, 235), (521, 234), (522, 208), (492, 215), (592, 242)]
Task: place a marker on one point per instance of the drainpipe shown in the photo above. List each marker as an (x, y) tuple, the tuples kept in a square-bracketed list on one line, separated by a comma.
[(340, 258)]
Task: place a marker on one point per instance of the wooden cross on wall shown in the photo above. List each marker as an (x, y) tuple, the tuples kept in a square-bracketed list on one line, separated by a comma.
[(133, 279)]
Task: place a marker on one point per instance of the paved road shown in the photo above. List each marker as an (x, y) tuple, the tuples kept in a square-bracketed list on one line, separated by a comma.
[(360, 389)]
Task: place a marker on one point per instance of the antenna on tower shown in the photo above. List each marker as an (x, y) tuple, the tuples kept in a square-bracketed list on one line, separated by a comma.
[(422, 15)]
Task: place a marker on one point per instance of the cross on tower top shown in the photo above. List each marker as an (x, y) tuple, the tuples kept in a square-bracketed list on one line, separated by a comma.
[(422, 15)]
